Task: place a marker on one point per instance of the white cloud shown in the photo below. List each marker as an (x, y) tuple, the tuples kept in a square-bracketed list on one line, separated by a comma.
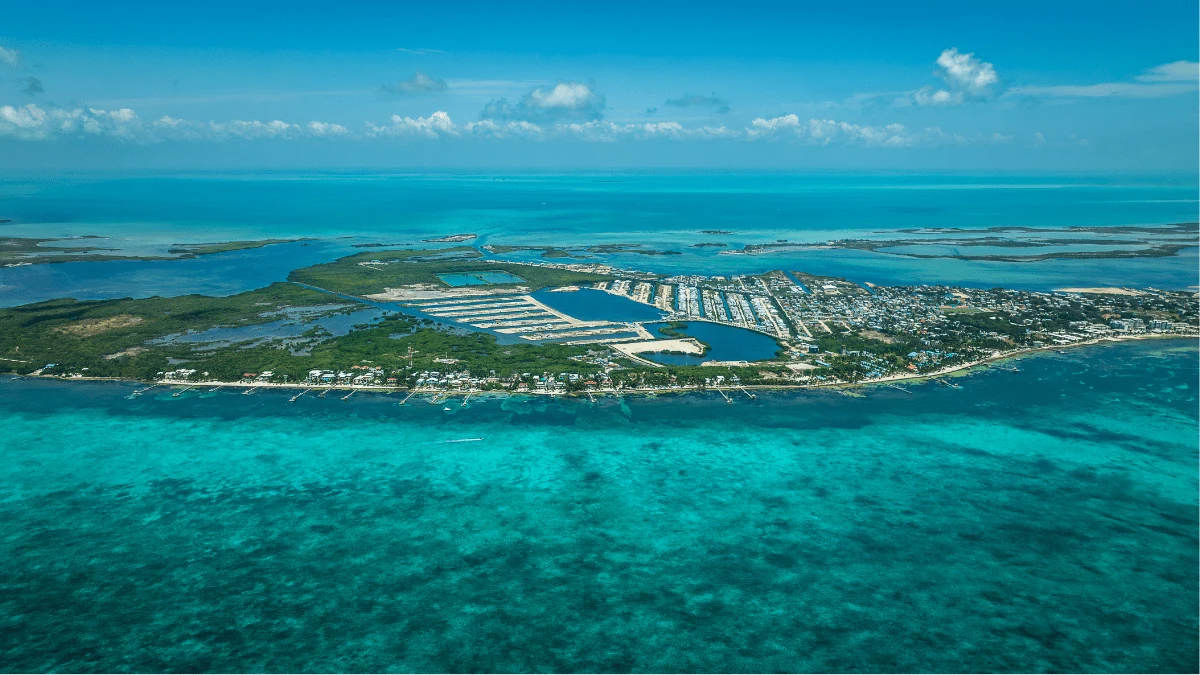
[(966, 77), (419, 83), (33, 123), (966, 72), (437, 124), (327, 129), (494, 129), (564, 101), (9, 57), (930, 96), (1175, 71), (1168, 79), (1105, 90), (254, 129), (826, 131), (766, 126)]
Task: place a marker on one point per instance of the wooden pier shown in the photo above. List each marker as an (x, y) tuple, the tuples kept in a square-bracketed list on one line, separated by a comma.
[(464, 401), (139, 392), (181, 391), (898, 388), (748, 394), (322, 394), (293, 399), (249, 391), (724, 395), (349, 395), (410, 395), (946, 383)]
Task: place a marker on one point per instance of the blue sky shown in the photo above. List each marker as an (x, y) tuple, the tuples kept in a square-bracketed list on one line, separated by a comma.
[(870, 85)]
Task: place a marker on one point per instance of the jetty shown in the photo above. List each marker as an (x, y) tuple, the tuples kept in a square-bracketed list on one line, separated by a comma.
[(946, 383), (898, 388), (349, 395), (1011, 369), (322, 394), (249, 391), (410, 395), (139, 392), (464, 401), (724, 395), (176, 394), (293, 399), (748, 394)]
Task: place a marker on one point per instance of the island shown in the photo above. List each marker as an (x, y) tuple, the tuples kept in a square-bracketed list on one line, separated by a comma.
[(20, 251), (453, 320)]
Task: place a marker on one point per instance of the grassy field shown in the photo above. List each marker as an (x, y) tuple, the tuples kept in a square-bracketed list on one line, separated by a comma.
[(374, 271)]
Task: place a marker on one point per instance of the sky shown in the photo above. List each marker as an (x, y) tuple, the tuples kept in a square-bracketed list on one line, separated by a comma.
[(1036, 86)]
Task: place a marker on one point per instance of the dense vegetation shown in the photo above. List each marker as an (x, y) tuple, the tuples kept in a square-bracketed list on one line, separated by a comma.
[(392, 269), (90, 334), (41, 250)]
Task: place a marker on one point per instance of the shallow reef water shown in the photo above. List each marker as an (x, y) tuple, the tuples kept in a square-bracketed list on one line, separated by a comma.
[(1042, 520)]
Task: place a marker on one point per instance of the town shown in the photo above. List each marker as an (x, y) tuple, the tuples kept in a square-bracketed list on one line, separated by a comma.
[(830, 331)]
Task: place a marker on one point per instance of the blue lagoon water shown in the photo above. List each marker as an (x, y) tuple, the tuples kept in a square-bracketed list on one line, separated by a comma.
[(145, 214), (216, 274), (725, 343), (590, 304), (1044, 520)]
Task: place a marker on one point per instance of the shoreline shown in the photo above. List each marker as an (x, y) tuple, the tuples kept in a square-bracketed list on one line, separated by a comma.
[(957, 370)]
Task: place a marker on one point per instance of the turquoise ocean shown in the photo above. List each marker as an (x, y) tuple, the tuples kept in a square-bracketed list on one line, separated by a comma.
[(1041, 520)]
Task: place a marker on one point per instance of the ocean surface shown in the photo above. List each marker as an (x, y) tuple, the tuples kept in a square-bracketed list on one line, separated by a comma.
[(145, 214), (1042, 520)]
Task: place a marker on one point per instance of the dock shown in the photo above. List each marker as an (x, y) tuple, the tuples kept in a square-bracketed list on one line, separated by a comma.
[(293, 399), (590, 397), (464, 401), (748, 394), (946, 383), (410, 395), (176, 394), (249, 391), (898, 388), (139, 392), (724, 395), (349, 395), (322, 394)]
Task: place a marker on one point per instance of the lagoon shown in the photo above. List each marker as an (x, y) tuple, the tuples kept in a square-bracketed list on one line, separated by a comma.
[(725, 343)]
